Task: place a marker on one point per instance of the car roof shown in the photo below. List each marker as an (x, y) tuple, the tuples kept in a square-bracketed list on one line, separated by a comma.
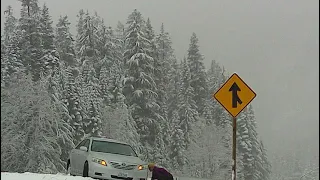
[(107, 140)]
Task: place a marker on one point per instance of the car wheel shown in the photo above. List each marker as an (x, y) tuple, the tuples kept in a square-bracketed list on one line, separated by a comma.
[(69, 168), (85, 170)]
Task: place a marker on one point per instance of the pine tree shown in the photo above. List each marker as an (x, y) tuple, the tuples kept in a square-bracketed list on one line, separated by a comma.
[(173, 89), (93, 122), (50, 55), (132, 136), (88, 40), (198, 75), (257, 174), (65, 43), (3, 73), (64, 129), (140, 88), (240, 166), (248, 145), (102, 37), (164, 69), (119, 38), (111, 72), (90, 48), (90, 100), (111, 78), (150, 36), (120, 33), (266, 166), (119, 124), (13, 112), (161, 82), (206, 152), (178, 146), (38, 124), (10, 51), (215, 79), (71, 98), (80, 30), (187, 106), (30, 43), (245, 144), (226, 126)]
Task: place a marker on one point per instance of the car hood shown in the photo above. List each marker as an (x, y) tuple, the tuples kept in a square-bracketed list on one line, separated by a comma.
[(117, 158)]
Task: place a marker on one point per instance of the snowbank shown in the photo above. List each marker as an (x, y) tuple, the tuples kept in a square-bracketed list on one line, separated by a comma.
[(33, 176)]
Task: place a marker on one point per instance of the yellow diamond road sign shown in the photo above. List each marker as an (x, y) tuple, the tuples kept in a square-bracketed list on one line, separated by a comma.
[(234, 95)]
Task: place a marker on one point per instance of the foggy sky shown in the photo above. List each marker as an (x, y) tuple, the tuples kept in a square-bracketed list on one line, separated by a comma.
[(272, 44)]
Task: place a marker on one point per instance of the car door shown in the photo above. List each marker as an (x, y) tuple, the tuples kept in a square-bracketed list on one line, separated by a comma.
[(74, 158), (82, 155)]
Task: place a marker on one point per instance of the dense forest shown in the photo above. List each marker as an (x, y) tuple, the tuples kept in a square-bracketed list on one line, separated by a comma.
[(121, 82)]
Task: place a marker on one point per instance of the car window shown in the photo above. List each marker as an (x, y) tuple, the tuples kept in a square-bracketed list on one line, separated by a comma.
[(81, 144), (113, 148)]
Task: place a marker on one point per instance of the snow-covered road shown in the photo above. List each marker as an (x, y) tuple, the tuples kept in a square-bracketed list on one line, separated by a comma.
[(33, 176)]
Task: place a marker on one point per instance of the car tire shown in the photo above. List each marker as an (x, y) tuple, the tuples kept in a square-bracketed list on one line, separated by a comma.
[(69, 168), (85, 170)]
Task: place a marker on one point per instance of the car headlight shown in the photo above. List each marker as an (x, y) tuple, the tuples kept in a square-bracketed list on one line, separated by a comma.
[(99, 161), (141, 167)]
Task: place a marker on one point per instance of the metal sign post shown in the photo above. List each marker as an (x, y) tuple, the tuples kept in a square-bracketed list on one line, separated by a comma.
[(234, 147)]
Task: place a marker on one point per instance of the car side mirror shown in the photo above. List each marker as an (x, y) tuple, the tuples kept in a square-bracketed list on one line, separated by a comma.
[(83, 148)]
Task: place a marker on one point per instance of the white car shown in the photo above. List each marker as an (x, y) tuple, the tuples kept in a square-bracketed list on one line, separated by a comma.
[(104, 158)]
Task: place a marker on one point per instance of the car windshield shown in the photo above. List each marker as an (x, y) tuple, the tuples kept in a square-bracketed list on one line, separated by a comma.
[(113, 148)]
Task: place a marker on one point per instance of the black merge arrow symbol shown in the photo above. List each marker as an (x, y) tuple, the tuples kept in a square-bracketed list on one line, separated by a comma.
[(235, 98)]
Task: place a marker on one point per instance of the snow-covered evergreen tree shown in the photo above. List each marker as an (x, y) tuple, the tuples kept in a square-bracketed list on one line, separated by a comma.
[(56, 88), (71, 98), (50, 56), (90, 46), (88, 40), (13, 113), (111, 73), (164, 69), (249, 146), (215, 78), (30, 110), (3, 74), (30, 43), (64, 42), (245, 144), (90, 100), (79, 25), (265, 169), (10, 51), (226, 127), (150, 36), (173, 88), (178, 145), (187, 106), (206, 151), (256, 152), (140, 88), (198, 75), (119, 124)]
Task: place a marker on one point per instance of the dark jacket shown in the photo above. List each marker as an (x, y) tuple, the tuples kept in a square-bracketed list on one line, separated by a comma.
[(161, 174)]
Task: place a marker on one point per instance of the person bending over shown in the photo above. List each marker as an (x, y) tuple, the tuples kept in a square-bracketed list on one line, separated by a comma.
[(159, 173)]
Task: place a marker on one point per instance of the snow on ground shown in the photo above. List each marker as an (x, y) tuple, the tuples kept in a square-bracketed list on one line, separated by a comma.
[(33, 176)]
